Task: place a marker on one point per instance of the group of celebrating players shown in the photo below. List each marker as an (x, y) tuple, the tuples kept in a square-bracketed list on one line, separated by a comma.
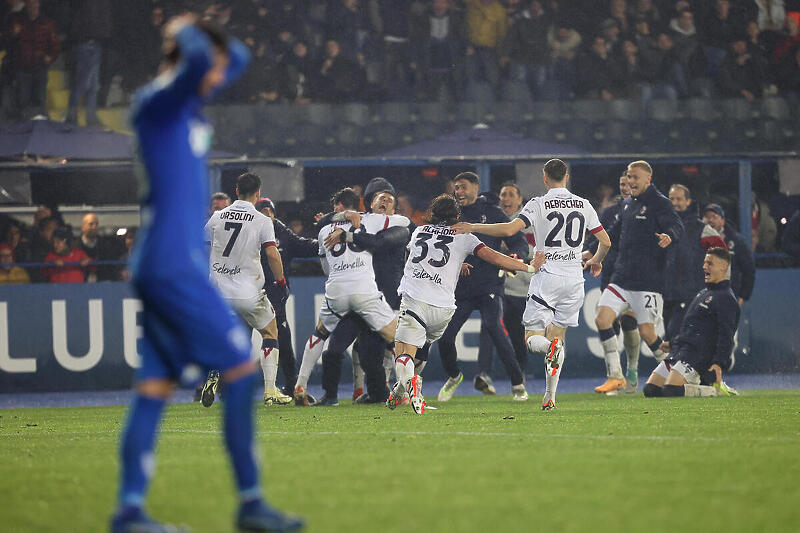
[(408, 302)]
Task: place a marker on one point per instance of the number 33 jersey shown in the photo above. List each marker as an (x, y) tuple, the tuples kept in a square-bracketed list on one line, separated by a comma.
[(237, 234), (560, 220), (433, 266)]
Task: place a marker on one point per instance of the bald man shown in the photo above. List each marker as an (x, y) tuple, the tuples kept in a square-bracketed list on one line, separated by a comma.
[(100, 248)]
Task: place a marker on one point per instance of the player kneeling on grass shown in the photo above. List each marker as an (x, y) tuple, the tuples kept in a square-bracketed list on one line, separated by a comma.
[(705, 341), (428, 290)]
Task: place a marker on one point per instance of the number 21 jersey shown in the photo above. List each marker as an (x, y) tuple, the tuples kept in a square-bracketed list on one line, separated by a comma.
[(560, 220), (434, 264)]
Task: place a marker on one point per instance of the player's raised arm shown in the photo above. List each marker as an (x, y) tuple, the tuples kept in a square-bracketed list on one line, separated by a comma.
[(503, 229), (508, 263)]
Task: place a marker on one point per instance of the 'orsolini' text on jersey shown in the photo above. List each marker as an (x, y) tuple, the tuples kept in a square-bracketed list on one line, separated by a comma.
[(560, 220), (434, 264), (237, 234)]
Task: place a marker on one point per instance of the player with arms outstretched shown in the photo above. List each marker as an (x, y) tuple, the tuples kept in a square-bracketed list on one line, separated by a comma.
[(560, 220), (184, 318), (237, 233), (428, 290)]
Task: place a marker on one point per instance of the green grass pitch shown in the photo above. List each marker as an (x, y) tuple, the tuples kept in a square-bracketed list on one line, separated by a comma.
[(476, 464)]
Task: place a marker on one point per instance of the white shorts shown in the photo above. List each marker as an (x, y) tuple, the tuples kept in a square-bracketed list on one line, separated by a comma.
[(553, 300), (689, 374), (420, 322), (257, 312), (370, 307), (646, 306)]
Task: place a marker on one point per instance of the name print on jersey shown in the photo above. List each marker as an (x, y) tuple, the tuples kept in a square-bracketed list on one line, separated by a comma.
[(571, 203), (236, 215)]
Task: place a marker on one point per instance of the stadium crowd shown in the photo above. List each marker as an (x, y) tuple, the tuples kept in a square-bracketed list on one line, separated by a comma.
[(417, 50)]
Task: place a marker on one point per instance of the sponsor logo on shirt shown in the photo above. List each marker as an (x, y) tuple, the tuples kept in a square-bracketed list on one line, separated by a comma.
[(559, 256), (421, 274), (225, 269), (341, 267)]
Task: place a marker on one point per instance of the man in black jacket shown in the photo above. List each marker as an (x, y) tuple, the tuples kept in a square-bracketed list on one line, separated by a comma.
[(481, 289), (647, 225), (684, 273), (290, 246), (743, 266), (703, 348)]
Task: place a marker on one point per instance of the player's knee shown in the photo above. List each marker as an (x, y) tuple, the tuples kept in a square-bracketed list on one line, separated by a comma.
[(652, 391), (628, 322), (673, 390)]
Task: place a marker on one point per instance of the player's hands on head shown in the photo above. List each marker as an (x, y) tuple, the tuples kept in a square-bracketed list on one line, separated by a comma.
[(465, 269), (461, 228), (717, 372), (664, 240), (333, 238)]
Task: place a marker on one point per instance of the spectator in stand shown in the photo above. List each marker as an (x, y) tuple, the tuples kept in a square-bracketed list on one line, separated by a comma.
[(754, 41), (219, 201), (348, 24), (14, 10), (129, 240), (63, 253), (525, 47), (742, 74), (720, 28), (298, 75), (564, 43), (439, 40), (36, 46), (665, 71), (10, 274), (636, 81), (790, 38), (340, 78), (771, 14), (690, 53), (646, 11), (41, 245), (789, 76), (142, 53), (743, 267), (487, 26), (99, 248), (644, 40), (398, 78), (790, 241), (599, 75), (18, 242), (619, 12), (260, 83), (610, 31), (90, 30)]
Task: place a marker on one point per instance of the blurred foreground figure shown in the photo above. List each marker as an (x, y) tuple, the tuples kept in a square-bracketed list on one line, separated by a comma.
[(186, 323)]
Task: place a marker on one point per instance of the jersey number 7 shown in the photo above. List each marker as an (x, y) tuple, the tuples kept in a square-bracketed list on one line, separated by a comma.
[(237, 228)]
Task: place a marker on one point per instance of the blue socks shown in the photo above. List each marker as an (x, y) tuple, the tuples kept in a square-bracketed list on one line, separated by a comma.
[(136, 449), (239, 429)]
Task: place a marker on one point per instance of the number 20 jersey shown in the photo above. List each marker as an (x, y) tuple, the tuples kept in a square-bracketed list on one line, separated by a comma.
[(560, 220), (237, 234), (433, 266)]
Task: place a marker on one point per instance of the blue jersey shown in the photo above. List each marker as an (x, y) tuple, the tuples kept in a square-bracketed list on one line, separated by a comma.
[(184, 318), (173, 140)]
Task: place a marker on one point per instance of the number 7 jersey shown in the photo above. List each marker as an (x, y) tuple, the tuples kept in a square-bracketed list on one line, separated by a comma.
[(560, 220), (237, 234), (433, 266)]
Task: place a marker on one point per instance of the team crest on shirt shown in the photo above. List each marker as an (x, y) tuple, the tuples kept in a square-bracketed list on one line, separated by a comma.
[(200, 137), (708, 299), (643, 210), (483, 219)]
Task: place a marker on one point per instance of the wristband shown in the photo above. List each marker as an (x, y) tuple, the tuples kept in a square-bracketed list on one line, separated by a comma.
[(281, 282)]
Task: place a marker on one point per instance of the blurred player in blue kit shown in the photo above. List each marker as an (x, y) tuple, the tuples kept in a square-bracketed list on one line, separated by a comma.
[(185, 320)]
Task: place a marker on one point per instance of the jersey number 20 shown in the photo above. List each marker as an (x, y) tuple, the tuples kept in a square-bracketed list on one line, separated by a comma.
[(569, 230)]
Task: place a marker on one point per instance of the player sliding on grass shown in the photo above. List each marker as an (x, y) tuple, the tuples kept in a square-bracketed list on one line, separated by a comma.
[(185, 320), (704, 343), (428, 290), (555, 296)]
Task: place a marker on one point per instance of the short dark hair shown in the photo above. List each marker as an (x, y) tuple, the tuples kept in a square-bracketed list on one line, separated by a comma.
[(347, 197), (683, 188), (219, 196), (510, 183), (469, 176), (247, 184), (444, 209), (722, 253), (555, 169), (215, 33)]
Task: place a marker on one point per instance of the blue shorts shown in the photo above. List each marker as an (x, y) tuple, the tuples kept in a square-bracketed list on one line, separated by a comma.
[(186, 321)]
